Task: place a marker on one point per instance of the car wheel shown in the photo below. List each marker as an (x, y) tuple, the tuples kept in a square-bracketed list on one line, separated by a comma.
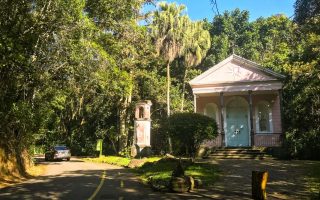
[(68, 159), (46, 158)]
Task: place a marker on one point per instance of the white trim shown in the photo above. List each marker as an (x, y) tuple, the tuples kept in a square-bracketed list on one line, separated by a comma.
[(195, 103), (225, 118), (239, 87), (257, 118)]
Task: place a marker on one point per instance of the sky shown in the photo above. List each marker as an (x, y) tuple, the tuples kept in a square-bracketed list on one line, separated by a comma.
[(200, 9)]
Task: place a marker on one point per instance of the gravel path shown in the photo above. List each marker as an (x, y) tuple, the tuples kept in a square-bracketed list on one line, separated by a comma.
[(286, 179)]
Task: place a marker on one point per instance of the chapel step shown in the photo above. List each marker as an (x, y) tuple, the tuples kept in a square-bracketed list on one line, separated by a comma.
[(237, 153)]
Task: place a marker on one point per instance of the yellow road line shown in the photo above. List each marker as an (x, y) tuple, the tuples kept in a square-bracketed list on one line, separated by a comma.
[(99, 187)]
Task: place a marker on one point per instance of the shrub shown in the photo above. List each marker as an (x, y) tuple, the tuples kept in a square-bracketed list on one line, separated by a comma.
[(189, 130), (303, 145)]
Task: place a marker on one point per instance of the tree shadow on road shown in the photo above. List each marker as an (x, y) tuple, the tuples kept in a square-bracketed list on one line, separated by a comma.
[(81, 184)]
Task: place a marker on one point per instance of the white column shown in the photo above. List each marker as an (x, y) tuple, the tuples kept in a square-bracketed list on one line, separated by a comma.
[(251, 118), (195, 103), (281, 109), (223, 141)]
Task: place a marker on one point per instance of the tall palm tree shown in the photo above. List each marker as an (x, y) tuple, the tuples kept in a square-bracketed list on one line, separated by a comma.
[(167, 30), (197, 43)]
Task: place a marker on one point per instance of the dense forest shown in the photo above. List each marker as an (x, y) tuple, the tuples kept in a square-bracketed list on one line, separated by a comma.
[(71, 71)]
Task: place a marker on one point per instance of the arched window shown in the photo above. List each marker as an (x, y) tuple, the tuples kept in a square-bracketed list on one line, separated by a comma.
[(263, 117), (210, 110), (141, 112)]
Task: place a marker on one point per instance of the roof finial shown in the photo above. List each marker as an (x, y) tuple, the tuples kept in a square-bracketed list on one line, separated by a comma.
[(233, 46)]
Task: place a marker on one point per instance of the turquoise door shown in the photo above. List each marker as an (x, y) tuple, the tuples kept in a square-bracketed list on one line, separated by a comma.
[(237, 131)]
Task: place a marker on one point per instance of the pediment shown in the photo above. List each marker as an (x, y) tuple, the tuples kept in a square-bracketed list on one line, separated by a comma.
[(234, 70)]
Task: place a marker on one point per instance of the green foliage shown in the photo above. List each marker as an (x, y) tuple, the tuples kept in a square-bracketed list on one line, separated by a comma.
[(268, 41), (302, 90), (167, 30), (227, 35), (63, 73), (117, 160), (189, 130), (113, 160), (313, 180), (304, 145), (196, 45), (161, 171), (307, 14)]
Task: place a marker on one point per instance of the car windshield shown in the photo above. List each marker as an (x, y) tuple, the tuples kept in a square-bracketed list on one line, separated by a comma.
[(61, 148)]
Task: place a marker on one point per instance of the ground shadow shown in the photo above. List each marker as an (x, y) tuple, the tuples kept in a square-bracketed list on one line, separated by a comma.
[(286, 179), (118, 184)]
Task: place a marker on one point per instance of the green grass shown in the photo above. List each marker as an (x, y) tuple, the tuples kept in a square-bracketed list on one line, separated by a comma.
[(314, 180), (117, 160), (162, 170), (204, 171), (113, 160), (153, 159)]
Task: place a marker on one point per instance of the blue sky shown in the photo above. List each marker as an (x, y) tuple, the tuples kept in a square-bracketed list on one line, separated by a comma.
[(200, 9)]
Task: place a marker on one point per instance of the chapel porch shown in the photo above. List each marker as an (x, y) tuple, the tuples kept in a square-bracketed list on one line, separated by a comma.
[(262, 112)]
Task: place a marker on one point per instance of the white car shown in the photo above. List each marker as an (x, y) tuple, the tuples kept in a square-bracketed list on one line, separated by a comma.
[(57, 153)]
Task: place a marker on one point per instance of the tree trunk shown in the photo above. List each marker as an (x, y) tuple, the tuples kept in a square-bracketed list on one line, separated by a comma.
[(113, 143), (124, 120), (168, 101), (122, 126), (183, 89), (129, 100), (168, 88)]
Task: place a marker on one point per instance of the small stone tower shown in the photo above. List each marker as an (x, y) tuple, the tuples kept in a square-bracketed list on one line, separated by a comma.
[(142, 127)]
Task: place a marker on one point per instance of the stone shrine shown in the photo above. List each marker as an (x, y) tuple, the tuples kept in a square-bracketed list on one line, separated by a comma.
[(142, 127)]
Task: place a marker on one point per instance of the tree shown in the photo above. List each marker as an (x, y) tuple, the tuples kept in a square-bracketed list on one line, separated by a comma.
[(167, 29), (274, 41), (269, 41), (302, 89), (189, 130), (227, 35), (307, 14), (129, 43), (197, 43)]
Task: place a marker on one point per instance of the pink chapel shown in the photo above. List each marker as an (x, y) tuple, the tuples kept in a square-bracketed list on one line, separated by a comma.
[(245, 100)]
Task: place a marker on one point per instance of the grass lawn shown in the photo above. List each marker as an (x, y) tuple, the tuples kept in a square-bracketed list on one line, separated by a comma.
[(314, 180), (162, 170), (117, 160), (113, 160)]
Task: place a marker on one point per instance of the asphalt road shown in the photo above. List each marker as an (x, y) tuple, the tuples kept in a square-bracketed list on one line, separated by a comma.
[(82, 180)]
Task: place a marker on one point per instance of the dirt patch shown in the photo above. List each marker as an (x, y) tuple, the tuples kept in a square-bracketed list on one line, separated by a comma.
[(134, 163), (10, 175)]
